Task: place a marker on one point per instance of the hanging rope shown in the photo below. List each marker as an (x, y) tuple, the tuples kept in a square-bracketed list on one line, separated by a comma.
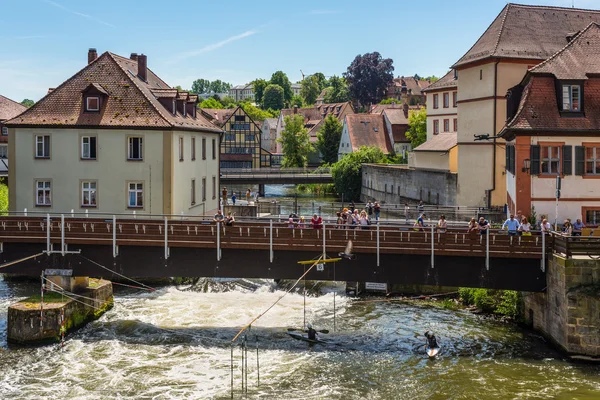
[(278, 300), (8, 264), (116, 273)]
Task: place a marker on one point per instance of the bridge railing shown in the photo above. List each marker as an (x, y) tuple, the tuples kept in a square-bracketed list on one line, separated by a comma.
[(573, 246)]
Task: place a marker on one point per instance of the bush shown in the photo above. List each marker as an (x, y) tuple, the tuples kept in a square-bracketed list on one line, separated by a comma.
[(501, 302)]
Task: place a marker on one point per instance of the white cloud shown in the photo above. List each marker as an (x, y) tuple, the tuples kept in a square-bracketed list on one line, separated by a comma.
[(212, 46), (52, 3)]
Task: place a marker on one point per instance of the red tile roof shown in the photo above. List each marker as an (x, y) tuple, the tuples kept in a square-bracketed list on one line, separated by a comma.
[(396, 116), (216, 115), (441, 142), (315, 115), (445, 82), (368, 130), (528, 32), (130, 102), (411, 85), (10, 108)]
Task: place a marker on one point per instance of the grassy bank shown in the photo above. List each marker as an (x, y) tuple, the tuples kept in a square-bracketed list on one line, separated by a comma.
[(500, 302)]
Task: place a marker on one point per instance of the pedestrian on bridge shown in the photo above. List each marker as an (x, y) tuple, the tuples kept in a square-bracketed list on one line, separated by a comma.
[(317, 222), (233, 198), (377, 210), (224, 193), (248, 195), (442, 225), (512, 224), (406, 208), (483, 225)]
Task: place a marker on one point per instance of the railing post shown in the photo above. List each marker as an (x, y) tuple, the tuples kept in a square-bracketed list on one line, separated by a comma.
[(432, 246), (487, 249), (114, 236), (324, 252), (378, 244), (543, 267), (270, 240), (218, 241), (48, 244), (62, 234), (166, 240)]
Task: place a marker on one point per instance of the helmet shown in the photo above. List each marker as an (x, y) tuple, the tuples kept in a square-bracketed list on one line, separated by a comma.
[(309, 326)]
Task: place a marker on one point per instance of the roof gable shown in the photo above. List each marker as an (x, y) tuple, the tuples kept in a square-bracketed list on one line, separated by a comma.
[(368, 130), (447, 81), (10, 108)]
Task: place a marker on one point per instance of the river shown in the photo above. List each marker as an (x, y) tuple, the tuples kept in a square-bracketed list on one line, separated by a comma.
[(174, 344)]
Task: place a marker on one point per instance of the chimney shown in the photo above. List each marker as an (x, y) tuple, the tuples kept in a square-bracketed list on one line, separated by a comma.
[(295, 109), (92, 55), (134, 56), (142, 67), (405, 109), (216, 115)]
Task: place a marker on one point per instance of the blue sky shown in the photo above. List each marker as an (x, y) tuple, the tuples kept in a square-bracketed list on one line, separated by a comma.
[(44, 42)]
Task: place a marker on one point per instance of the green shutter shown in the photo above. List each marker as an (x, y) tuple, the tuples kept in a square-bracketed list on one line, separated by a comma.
[(567, 161), (507, 151), (579, 160), (534, 156)]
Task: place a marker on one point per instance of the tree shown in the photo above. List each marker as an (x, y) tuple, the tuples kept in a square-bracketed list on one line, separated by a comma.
[(297, 101), (257, 114), (219, 86), (3, 199), (274, 97), (368, 77), (211, 102), (347, 173), (321, 80), (281, 79), (27, 103), (417, 127), (310, 89), (200, 86), (295, 142), (337, 92), (432, 79), (328, 139), (228, 102), (259, 89)]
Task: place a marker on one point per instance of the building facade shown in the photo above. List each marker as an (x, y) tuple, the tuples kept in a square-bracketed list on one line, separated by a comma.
[(241, 142), (442, 106), (242, 92), (114, 138), (8, 109)]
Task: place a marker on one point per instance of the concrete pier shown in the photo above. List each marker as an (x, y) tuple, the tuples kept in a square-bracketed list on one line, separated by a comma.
[(568, 313), (24, 316)]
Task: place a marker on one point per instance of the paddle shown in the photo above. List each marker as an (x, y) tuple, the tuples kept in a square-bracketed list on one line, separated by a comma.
[(294, 329)]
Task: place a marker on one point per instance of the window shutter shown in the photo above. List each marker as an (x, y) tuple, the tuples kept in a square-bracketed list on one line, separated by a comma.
[(567, 161), (579, 160), (534, 163), (92, 147), (508, 158), (512, 159)]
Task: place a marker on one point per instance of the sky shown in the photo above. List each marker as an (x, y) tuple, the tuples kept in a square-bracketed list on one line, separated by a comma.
[(44, 42)]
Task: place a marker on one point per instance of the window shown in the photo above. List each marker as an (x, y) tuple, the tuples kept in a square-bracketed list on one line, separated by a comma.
[(136, 195), (435, 101), (510, 158), (204, 148), (180, 148), (446, 100), (88, 147), (42, 146), (230, 137), (203, 188), (250, 138), (480, 74), (454, 99), (193, 191), (436, 126), (214, 149), (92, 103), (571, 98), (4, 131), (88, 194), (446, 125), (193, 148), (592, 216), (550, 160), (43, 193), (135, 149), (3, 151), (214, 187), (240, 118), (592, 160), (455, 124)]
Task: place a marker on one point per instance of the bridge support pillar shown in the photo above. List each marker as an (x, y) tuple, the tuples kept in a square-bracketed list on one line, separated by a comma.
[(567, 313)]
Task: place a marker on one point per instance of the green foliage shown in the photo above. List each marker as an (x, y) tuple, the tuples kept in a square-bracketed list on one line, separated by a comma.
[(27, 102), (3, 199), (219, 86), (321, 80), (346, 173), (532, 219), (509, 303), (396, 159), (211, 102), (274, 97), (259, 89), (502, 302), (295, 143), (390, 101), (431, 78), (310, 89), (417, 127), (258, 114), (200, 86), (337, 92), (328, 139), (297, 101), (228, 102), (368, 78), (318, 189), (281, 79)]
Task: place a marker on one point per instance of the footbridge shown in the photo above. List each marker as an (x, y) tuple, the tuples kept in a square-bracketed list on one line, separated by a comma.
[(273, 176)]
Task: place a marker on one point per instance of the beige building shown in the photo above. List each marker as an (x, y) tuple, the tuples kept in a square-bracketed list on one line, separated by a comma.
[(114, 138), (242, 92), (442, 106), (518, 39)]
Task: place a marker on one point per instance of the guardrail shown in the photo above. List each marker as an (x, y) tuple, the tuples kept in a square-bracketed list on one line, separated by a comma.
[(573, 246)]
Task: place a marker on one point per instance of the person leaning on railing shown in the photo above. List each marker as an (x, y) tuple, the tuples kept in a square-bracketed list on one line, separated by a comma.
[(525, 228), (442, 225), (577, 227)]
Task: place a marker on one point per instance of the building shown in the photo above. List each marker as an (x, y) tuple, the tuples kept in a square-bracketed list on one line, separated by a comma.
[(552, 131), (364, 130), (242, 92), (269, 135), (518, 39), (296, 87), (407, 90), (114, 138), (440, 153), (8, 109), (396, 123), (442, 106)]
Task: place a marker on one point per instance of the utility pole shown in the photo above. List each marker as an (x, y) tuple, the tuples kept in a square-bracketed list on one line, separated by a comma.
[(557, 197)]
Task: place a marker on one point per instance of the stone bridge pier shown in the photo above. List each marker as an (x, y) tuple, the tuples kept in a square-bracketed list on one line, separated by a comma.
[(568, 313)]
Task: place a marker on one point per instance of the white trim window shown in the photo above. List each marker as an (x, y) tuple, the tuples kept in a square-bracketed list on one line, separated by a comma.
[(571, 97), (4, 131), (135, 198), (193, 190), (92, 103), (592, 160), (42, 146), (3, 151), (88, 193), (180, 148), (550, 160), (43, 193), (88, 147), (135, 151)]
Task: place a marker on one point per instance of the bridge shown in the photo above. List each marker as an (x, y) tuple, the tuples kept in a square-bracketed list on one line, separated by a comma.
[(273, 176), (163, 246)]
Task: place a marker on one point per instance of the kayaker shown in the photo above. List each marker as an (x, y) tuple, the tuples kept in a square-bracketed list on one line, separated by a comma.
[(431, 340), (312, 334)]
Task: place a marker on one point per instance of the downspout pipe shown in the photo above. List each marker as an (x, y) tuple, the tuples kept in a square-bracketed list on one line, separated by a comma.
[(494, 135)]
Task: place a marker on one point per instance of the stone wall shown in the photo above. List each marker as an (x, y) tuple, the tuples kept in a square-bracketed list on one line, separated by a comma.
[(568, 313), (394, 183)]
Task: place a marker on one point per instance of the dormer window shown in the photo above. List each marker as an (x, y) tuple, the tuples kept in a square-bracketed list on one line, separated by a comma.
[(92, 103), (571, 98), (174, 107)]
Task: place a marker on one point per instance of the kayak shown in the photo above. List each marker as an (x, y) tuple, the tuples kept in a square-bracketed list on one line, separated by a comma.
[(432, 351), (299, 336)]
